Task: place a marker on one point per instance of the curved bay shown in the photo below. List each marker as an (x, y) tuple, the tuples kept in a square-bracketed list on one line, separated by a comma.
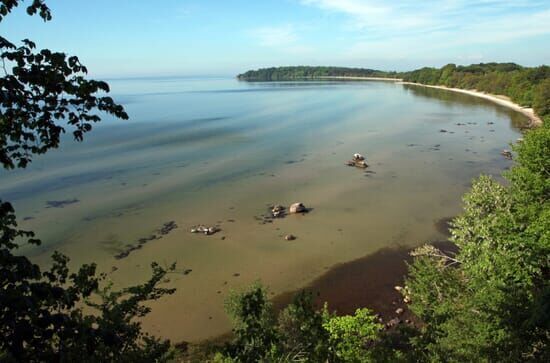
[(218, 151)]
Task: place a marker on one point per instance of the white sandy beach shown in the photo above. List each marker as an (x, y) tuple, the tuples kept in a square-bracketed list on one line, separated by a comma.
[(501, 100)]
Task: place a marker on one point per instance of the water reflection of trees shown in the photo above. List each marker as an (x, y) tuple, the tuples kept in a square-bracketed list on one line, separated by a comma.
[(447, 98)]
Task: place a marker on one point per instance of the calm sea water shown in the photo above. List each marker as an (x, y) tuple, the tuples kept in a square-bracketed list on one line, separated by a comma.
[(218, 151)]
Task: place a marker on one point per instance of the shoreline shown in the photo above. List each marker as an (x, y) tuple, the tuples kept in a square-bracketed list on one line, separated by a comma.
[(502, 100), (365, 282), (498, 99), (380, 79), (370, 280)]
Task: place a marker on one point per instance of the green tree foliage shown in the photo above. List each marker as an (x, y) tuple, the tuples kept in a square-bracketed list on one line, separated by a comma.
[(254, 321), (41, 92), (42, 316), (305, 72), (300, 334), (541, 98), (301, 328), (350, 336), (529, 87), (490, 301), (526, 86)]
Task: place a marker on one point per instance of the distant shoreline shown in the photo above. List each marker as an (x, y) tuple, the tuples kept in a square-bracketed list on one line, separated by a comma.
[(498, 99), (381, 79)]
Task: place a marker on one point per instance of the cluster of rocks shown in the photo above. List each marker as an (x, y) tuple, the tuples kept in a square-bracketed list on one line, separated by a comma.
[(162, 231), (400, 312), (207, 231), (357, 161), (405, 292), (277, 211)]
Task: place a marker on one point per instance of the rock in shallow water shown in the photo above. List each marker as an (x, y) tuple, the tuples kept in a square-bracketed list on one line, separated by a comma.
[(208, 231), (297, 208)]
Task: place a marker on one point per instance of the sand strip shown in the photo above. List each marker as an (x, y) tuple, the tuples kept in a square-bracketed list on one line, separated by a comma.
[(501, 100)]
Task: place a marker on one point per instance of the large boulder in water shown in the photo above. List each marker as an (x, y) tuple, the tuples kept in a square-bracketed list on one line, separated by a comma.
[(297, 208)]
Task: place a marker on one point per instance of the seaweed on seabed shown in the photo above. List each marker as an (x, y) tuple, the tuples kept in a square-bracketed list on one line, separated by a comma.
[(61, 203), (164, 230)]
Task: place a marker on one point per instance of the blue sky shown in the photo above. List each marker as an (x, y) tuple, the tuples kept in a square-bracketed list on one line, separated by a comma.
[(224, 37)]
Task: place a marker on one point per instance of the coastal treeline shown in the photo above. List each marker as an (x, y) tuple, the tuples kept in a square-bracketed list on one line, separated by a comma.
[(306, 72), (526, 86)]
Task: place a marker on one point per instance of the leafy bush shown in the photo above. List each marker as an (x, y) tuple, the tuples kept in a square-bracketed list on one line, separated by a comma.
[(350, 336), (489, 302)]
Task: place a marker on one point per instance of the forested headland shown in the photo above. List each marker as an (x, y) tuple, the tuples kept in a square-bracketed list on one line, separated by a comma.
[(526, 86), (305, 72)]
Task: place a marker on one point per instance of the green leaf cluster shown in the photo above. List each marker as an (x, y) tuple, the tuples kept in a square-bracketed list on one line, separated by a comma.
[(42, 93), (299, 333), (351, 335), (526, 86)]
